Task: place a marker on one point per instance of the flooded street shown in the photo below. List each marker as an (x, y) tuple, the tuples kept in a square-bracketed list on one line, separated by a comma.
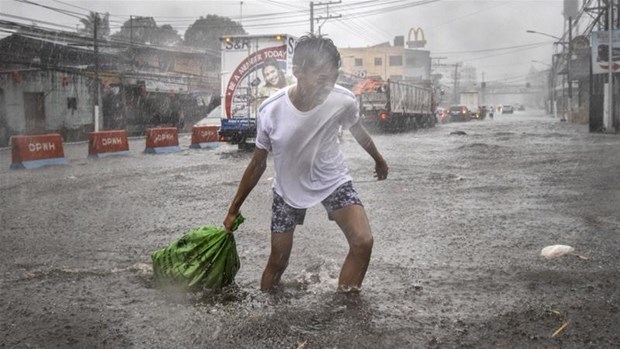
[(458, 225)]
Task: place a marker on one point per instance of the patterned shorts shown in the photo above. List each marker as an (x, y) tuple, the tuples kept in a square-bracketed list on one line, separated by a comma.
[(284, 217)]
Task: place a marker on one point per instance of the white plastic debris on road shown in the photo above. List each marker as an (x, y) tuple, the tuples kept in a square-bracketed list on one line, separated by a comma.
[(556, 251)]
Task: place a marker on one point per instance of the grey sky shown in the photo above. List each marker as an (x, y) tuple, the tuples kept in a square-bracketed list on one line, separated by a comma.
[(453, 29)]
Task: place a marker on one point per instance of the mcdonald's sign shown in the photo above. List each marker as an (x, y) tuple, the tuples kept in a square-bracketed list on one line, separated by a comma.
[(418, 38)]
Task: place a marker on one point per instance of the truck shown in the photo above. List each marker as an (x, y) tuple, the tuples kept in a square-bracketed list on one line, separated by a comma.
[(395, 105), (244, 58), (471, 99)]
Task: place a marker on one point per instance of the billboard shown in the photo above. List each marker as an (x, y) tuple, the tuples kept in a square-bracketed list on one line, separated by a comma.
[(600, 52), (253, 68)]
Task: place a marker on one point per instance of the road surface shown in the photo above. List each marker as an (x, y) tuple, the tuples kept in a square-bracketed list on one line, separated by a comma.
[(458, 226)]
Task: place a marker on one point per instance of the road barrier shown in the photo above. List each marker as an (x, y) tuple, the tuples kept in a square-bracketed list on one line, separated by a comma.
[(108, 143), (35, 151), (162, 140), (205, 137)]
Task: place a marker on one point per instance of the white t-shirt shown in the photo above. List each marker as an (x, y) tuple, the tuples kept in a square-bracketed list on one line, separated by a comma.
[(308, 161)]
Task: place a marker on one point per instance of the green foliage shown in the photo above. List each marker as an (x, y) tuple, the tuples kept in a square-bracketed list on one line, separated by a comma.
[(206, 32), (205, 257), (145, 30), (103, 24)]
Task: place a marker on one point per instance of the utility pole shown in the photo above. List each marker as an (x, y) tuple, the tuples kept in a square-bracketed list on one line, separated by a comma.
[(483, 86), (96, 50), (324, 18), (456, 83), (610, 76), (130, 30), (554, 97), (568, 59), (311, 17)]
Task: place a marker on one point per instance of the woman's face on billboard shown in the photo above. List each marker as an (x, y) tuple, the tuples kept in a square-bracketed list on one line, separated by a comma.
[(270, 73)]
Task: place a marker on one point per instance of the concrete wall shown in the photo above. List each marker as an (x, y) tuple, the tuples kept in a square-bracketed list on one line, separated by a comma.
[(71, 123)]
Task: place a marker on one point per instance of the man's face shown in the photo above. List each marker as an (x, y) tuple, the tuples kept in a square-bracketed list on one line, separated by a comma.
[(317, 82)]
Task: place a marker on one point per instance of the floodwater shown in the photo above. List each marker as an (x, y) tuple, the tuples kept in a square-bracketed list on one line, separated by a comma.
[(458, 227)]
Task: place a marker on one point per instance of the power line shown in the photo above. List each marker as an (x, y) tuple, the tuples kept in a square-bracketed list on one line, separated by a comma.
[(64, 12), (270, 20), (537, 44), (71, 5), (35, 21), (502, 53), (76, 39), (468, 15), (273, 20)]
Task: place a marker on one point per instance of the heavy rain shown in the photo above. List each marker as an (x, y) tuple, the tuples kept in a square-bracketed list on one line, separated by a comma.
[(125, 125)]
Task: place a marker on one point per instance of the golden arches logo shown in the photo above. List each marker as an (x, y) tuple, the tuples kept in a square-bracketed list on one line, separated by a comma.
[(417, 42)]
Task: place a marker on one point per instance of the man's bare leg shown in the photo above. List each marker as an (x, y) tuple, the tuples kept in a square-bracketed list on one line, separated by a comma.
[(354, 223), (281, 245)]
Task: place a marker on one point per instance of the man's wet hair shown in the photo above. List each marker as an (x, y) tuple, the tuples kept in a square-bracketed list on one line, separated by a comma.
[(315, 51)]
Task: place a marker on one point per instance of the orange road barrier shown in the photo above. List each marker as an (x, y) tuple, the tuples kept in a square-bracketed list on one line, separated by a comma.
[(37, 151), (205, 137), (162, 140), (108, 143)]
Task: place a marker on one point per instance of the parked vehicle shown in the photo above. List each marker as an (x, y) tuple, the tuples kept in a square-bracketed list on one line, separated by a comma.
[(394, 105), (459, 113), (508, 109), (244, 87)]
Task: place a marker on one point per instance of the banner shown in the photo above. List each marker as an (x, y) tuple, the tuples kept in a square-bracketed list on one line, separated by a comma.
[(240, 89), (600, 52)]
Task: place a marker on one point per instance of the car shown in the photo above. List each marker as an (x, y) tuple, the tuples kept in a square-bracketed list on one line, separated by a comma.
[(459, 113), (508, 109)]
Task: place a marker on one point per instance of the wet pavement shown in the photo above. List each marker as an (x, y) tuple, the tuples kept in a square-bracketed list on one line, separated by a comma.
[(458, 227)]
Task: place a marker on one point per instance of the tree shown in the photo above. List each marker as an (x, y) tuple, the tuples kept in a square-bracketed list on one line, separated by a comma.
[(103, 24), (167, 35), (145, 30), (206, 32)]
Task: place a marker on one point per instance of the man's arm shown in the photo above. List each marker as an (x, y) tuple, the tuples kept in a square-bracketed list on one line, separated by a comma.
[(251, 176), (363, 138)]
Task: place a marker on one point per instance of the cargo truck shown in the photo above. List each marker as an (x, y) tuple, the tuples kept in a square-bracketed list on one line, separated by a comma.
[(395, 105), (244, 83), (471, 99)]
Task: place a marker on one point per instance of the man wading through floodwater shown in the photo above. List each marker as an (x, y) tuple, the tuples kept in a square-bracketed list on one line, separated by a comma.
[(299, 126)]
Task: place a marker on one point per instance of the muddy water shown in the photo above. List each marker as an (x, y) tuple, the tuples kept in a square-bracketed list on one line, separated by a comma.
[(458, 230)]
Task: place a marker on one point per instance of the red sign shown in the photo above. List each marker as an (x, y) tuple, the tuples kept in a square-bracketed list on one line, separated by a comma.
[(204, 134), (161, 137), (114, 141), (33, 151)]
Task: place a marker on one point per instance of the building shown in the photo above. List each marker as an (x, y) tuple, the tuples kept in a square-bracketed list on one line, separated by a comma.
[(387, 61), (51, 82), (45, 86)]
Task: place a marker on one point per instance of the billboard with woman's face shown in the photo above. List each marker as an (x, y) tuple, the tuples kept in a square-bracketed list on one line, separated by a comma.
[(258, 75)]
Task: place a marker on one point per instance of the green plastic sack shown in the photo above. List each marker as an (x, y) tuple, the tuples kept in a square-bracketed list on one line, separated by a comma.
[(205, 257)]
